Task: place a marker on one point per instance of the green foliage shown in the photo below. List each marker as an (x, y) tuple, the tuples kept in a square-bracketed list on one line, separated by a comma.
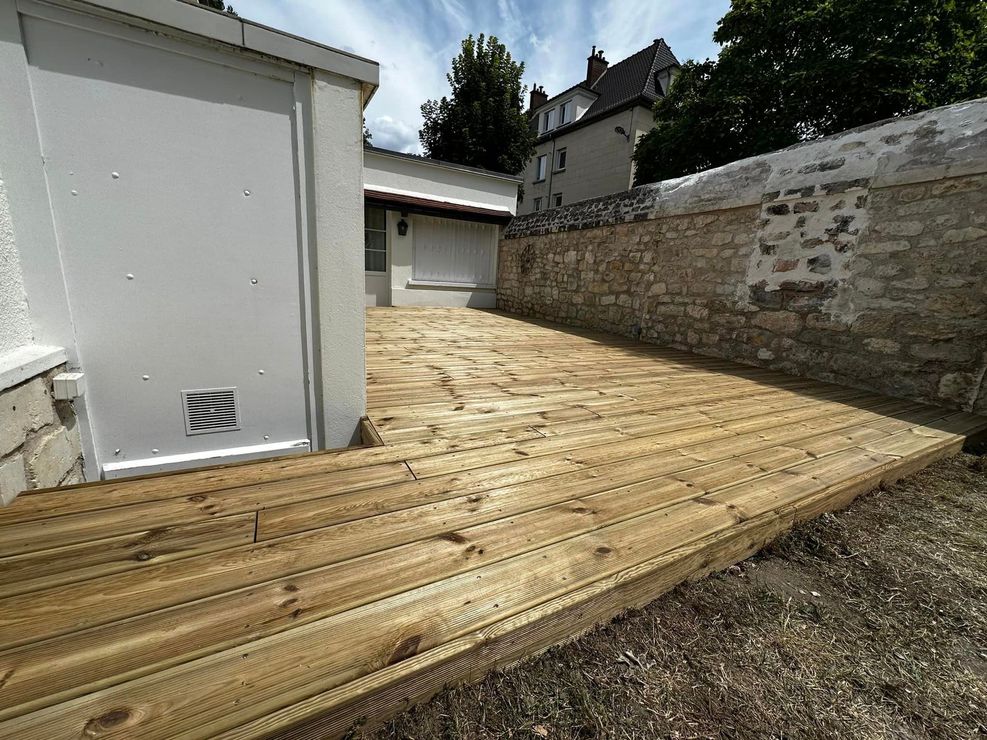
[(368, 138), (219, 5), (792, 70), (482, 123)]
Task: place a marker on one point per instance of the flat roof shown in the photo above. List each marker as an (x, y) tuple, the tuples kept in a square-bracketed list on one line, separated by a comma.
[(440, 163), (435, 206), (201, 20)]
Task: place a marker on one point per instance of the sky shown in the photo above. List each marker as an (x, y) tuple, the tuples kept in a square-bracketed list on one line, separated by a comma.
[(415, 40)]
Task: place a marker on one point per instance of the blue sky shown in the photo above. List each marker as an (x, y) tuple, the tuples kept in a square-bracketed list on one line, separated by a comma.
[(414, 41)]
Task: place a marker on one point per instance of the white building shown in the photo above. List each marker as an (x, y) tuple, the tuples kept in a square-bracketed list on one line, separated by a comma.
[(181, 213), (587, 133), (432, 230)]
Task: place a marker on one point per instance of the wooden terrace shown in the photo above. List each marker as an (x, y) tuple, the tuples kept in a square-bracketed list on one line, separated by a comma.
[(533, 481)]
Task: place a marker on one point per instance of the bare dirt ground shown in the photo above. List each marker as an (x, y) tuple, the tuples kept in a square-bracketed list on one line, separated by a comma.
[(868, 623)]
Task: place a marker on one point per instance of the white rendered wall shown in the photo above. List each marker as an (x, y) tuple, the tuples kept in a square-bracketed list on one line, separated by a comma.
[(404, 291), (337, 165), (317, 224), (15, 322), (427, 180), (431, 181)]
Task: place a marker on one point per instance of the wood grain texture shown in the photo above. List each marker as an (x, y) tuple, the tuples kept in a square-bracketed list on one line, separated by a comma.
[(519, 483)]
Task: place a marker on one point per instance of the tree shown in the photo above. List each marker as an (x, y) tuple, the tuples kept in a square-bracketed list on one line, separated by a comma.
[(482, 123), (368, 137), (792, 70), (218, 5)]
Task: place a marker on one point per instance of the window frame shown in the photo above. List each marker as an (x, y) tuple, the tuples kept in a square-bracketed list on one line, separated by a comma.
[(536, 204), (561, 154), (556, 200), (541, 167), (566, 107), (548, 120), (366, 229)]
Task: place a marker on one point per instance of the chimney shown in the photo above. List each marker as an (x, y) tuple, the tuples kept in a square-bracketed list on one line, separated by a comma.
[(596, 65), (538, 97)]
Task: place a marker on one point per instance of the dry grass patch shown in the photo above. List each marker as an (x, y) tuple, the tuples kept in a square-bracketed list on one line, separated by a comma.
[(868, 623)]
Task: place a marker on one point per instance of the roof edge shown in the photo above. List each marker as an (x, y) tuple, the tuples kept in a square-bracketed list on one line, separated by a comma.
[(205, 22), (440, 163)]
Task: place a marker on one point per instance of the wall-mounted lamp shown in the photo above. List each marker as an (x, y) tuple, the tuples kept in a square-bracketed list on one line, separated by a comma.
[(402, 228), (620, 130)]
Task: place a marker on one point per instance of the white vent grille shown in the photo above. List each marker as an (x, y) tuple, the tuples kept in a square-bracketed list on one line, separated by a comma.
[(211, 410)]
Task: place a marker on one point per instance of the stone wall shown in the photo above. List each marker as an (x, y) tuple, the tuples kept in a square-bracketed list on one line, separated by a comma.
[(859, 259), (39, 438)]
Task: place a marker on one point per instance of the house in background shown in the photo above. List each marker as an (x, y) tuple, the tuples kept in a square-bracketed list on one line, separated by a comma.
[(586, 134), (431, 230)]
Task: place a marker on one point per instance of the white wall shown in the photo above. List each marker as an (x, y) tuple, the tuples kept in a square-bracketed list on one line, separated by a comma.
[(405, 291), (427, 179), (337, 145), (15, 322), (316, 225), (437, 182)]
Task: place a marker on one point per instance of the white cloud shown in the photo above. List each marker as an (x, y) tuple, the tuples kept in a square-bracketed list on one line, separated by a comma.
[(390, 133), (415, 40)]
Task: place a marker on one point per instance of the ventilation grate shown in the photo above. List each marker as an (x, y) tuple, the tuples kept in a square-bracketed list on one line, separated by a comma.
[(211, 410)]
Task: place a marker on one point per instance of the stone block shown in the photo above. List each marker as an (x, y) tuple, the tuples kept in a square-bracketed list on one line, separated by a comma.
[(883, 346), (969, 234), (53, 456), (13, 478), (944, 351), (900, 228), (780, 322), (868, 247), (869, 287), (23, 409)]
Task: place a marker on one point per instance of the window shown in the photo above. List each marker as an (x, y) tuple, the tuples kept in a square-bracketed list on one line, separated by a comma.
[(548, 120), (537, 204), (557, 199), (565, 112), (374, 239), (451, 251), (541, 164), (560, 160)]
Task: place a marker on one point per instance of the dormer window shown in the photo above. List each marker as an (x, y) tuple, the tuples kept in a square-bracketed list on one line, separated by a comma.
[(548, 120), (565, 113)]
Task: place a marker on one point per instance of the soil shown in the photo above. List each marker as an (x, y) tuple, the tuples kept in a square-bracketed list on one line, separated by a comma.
[(866, 623)]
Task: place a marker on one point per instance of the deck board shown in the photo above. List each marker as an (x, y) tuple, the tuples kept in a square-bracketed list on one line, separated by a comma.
[(533, 481)]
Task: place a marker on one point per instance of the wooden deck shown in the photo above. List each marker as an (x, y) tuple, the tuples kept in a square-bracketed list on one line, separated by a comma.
[(534, 481)]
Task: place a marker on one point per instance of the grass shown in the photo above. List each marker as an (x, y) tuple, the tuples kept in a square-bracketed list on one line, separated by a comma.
[(868, 623)]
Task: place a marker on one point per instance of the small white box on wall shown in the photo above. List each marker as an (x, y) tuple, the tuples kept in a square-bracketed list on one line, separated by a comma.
[(69, 386)]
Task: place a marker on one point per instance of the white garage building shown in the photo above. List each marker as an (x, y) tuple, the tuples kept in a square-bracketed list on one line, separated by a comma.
[(431, 230), (181, 213)]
